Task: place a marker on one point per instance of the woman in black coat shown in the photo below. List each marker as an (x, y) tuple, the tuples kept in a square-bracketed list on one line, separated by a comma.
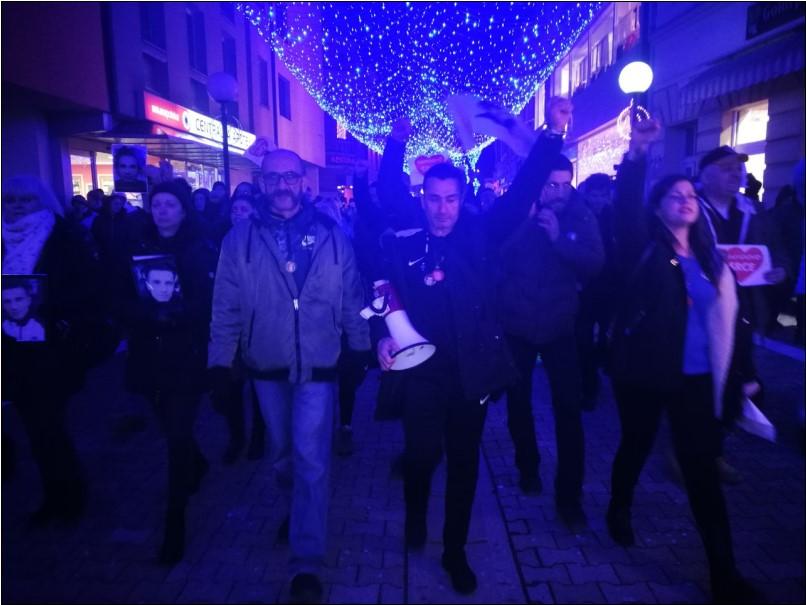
[(168, 341), (46, 334), (676, 347)]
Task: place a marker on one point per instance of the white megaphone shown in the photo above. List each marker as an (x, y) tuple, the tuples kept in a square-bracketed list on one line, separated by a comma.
[(414, 348)]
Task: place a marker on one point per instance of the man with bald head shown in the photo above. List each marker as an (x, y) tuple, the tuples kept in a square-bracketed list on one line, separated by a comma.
[(286, 288)]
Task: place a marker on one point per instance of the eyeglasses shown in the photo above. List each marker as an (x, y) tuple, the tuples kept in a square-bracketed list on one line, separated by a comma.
[(559, 186), (273, 178)]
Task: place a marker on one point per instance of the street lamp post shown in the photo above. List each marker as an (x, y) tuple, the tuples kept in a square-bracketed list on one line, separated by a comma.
[(223, 88), (634, 80)]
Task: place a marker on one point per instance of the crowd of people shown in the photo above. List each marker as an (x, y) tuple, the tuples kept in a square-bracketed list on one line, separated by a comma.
[(257, 297)]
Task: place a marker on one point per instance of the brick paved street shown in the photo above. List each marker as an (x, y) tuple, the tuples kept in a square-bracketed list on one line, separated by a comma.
[(518, 548)]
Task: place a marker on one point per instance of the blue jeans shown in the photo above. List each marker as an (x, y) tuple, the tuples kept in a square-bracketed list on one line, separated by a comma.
[(299, 419)]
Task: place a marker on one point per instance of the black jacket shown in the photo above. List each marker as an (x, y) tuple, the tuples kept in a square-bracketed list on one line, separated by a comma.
[(167, 348), (469, 321), (539, 279), (71, 310), (647, 339)]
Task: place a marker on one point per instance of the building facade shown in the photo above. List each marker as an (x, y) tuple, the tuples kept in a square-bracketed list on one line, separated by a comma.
[(724, 74), (81, 77)]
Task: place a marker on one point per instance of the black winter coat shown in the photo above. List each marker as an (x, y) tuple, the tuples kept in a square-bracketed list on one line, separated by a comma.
[(471, 251), (647, 339), (167, 349), (71, 310), (539, 279)]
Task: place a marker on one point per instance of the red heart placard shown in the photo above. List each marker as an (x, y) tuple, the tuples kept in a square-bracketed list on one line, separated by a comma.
[(744, 262), (424, 162)]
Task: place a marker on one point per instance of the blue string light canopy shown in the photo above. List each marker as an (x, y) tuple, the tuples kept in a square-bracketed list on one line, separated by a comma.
[(370, 63)]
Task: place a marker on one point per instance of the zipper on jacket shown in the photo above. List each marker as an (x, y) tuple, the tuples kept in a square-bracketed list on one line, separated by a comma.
[(296, 339), (251, 330)]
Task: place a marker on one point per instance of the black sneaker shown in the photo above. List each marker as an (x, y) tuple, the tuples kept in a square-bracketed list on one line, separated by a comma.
[(463, 579), (306, 588), (531, 484), (619, 526)]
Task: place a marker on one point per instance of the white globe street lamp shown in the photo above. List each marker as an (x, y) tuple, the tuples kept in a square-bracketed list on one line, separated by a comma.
[(224, 89), (635, 79)]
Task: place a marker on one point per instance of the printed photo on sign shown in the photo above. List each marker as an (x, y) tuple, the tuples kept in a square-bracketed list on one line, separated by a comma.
[(156, 278), (750, 263), (128, 165), (23, 296)]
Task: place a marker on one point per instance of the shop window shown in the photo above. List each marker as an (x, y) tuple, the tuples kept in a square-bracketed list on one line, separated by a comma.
[(152, 23), (103, 166), (156, 79), (201, 99), (285, 97), (263, 78), (750, 124), (230, 60), (81, 174), (197, 41), (749, 135)]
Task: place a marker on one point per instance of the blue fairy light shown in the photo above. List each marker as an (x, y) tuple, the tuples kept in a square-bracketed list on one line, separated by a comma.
[(428, 51)]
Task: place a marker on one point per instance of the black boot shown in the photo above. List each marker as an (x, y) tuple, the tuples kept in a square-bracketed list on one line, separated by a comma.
[(463, 579), (619, 525), (173, 544)]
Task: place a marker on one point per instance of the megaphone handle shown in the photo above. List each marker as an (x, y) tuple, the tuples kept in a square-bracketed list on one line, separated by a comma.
[(384, 306)]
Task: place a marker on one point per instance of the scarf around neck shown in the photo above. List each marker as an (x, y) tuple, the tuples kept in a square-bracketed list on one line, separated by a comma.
[(23, 241)]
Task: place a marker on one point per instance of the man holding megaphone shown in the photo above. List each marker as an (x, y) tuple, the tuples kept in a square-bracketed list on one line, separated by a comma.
[(442, 278)]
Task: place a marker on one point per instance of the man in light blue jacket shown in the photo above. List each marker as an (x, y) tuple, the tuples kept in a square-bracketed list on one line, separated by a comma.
[(286, 288)]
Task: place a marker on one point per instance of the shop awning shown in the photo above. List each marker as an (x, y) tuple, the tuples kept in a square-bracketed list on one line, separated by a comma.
[(165, 142), (750, 66)]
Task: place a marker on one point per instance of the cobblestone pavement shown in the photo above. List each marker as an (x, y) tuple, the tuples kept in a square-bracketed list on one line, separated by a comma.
[(519, 550)]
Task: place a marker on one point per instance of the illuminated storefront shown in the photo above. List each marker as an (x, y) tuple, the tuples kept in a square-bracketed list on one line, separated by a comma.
[(190, 141)]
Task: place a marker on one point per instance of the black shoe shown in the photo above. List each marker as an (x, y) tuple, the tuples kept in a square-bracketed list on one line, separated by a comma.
[(283, 530), (735, 589), (416, 531), (531, 484), (619, 526), (306, 588), (173, 544), (463, 579), (573, 517)]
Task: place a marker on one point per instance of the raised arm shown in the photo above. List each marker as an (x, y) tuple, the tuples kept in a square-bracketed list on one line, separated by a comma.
[(393, 194), (630, 224), (513, 208)]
